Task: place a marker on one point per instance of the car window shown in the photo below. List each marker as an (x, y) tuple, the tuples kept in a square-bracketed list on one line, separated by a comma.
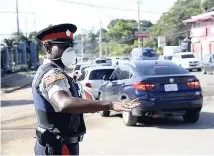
[(168, 57), (206, 58), (78, 67), (125, 73), (187, 56), (98, 74), (83, 68), (152, 70), (149, 54), (83, 76), (108, 60), (100, 61), (116, 74), (211, 59)]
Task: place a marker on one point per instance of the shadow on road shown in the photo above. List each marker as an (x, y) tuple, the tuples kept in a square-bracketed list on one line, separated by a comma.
[(116, 115), (206, 121), (15, 102)]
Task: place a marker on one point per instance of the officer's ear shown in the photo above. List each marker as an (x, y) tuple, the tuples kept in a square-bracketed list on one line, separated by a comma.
[(48, 46)]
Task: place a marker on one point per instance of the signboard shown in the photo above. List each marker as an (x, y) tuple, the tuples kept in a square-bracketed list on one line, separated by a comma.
[(184, 45), (141, 35), (212, 31), (161, 41), (198, 32)]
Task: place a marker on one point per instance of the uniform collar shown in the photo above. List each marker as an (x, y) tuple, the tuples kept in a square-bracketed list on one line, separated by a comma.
[(46, 61)]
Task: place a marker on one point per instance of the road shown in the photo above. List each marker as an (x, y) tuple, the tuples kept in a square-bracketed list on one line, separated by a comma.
[(110, 135)]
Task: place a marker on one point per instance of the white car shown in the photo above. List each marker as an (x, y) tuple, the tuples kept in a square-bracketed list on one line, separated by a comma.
[(187, 60), (92, 78)]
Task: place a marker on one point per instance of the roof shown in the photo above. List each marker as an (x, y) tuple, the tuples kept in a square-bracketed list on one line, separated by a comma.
[(100, 67), (148, 62), (185, 53), (83, 63), (201, 17)]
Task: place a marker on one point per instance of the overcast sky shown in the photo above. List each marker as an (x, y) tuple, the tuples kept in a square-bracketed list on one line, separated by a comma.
[(41, 13)]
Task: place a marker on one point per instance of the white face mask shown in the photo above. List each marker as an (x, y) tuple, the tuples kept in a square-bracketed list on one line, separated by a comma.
[(69, 57)]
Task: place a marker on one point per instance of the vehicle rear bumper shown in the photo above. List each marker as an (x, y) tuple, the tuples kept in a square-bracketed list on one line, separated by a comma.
[(193, 67), (167, 107)]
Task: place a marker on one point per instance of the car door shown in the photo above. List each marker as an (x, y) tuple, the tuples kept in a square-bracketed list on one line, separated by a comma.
[(210, 64), (118, 84), (205, 63), (108, 88)]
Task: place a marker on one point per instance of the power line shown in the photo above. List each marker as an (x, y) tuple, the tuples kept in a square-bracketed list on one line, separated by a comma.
[(105, 7)]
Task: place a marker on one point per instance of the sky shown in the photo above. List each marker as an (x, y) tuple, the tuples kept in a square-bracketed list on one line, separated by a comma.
[(38, 14)]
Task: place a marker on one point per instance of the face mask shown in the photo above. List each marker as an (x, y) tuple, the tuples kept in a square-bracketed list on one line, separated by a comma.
[(69, 57)]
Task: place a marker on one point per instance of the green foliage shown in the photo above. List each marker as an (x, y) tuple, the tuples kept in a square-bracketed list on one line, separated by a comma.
[(118, 49), (172, 21), (207, 5)]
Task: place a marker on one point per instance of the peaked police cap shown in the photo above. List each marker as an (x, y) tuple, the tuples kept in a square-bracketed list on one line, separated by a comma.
[(60, 34)]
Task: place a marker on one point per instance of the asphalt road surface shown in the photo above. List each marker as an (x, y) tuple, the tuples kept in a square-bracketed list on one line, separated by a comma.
[(110, 135)]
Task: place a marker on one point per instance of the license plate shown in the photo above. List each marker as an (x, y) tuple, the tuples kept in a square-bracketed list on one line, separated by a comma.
[(171, 87)]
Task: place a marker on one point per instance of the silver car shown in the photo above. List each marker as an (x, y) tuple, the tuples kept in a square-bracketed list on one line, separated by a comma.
[(92, 78)]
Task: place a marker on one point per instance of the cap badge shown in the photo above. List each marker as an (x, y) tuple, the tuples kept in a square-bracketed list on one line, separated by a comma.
[(68, 33)]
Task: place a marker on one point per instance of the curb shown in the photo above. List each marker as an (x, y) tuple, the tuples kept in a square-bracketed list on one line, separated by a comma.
[(15, 88)]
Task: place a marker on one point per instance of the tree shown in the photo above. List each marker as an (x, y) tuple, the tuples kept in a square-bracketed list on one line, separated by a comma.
[(120, 30), (171, 22), (207, 5)]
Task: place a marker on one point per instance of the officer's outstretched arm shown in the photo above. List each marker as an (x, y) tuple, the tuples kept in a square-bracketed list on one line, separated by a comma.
[(64, 103), (56, 90)]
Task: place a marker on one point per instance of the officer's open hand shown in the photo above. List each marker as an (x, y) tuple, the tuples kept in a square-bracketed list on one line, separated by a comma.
[(125, 105)]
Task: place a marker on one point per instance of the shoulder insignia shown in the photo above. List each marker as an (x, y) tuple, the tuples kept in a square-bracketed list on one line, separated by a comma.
[(53, 78)]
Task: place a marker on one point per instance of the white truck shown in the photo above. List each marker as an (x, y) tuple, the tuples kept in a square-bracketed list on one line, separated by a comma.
[(169, 51)]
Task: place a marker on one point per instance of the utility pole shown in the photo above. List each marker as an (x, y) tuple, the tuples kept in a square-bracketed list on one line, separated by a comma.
[(34, 21), (17, 19), (26, 25), (106, 52), (139, 41), (100, 39), (82, 43)]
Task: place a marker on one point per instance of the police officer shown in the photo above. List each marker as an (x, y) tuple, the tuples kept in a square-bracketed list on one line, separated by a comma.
[(58, 104)]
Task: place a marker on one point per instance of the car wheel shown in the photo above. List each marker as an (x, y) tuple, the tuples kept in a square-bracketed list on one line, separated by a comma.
[(203, 71), (191, 117), (129, 119), (103, 113)]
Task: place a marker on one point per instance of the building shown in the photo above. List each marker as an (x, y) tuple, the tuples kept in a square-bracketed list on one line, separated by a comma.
[(202, 33)]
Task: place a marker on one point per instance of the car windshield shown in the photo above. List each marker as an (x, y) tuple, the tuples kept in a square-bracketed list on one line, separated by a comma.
[(98, 74), (77, 67), (187, 56), (83, 68), (125, 58), (100, 61), (152, 70), (147, 54), (108, 60), (168, 57)]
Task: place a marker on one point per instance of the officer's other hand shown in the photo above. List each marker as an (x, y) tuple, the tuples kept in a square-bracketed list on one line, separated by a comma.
[(125, 105)]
